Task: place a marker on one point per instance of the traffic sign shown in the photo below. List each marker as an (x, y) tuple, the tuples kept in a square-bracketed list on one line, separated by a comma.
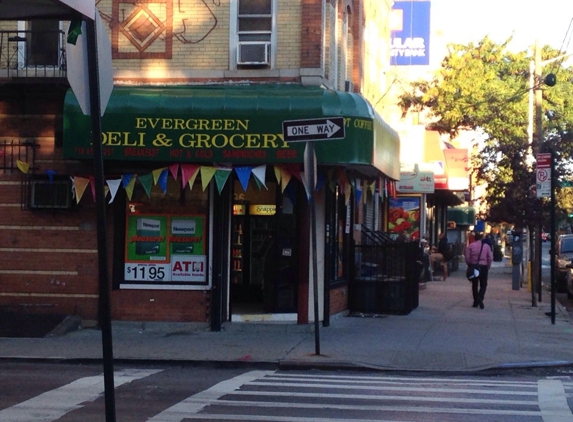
[(543, 160), (543, 175), (313, 129)]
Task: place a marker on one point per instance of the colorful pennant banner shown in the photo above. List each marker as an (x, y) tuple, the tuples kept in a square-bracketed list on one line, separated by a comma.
[(189, 172)]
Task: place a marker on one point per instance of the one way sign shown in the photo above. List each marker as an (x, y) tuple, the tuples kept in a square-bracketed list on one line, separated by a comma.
[(313, 129)]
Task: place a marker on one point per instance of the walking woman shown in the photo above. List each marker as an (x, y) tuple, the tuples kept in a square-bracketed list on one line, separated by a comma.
[(479, 253)]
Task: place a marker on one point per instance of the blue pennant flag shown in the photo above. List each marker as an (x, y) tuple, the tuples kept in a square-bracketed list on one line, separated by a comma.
[(244, 174)]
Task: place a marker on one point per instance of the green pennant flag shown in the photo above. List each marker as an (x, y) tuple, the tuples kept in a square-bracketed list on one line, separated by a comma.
[(221, 177), (74, 31), (146, 181)]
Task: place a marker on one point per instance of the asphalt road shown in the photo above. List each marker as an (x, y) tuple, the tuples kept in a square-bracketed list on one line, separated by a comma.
[(34, 392)]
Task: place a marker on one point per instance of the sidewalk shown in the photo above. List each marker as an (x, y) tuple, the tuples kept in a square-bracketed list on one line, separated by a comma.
[(443, 334)]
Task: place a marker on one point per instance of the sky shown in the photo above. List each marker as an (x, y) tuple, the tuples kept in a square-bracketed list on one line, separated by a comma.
[(462, 21)]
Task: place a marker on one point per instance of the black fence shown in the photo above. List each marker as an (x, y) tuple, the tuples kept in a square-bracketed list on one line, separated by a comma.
[(385, 278), (33, 54)]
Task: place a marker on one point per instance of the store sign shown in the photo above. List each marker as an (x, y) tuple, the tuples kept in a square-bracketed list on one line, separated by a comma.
[(415, 181), (188, 268), (457, 161), (410, 25), (165, 249), (269, 209), (191, 125)]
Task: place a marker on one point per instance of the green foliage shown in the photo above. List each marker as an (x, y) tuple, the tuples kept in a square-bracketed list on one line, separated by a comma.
[(485, 87)]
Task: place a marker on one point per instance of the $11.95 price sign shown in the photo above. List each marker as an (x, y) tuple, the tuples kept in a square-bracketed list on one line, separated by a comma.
[(147, 272)]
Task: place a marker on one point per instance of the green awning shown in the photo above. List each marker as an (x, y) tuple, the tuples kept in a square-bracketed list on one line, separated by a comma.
[(465, 216), (232, 124)]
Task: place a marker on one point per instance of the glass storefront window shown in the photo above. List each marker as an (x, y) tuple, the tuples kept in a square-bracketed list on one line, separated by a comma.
[(166, 235)]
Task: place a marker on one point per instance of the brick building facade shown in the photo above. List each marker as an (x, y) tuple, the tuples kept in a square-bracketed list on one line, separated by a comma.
[(192, 141)]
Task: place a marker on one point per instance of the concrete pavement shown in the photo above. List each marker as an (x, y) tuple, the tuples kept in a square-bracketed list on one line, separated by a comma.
[(445, 333)]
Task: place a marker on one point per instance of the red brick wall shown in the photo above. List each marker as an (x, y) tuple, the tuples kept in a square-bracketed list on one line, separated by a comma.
[(338, 300), (311, 34), (50, 257), (161, 305)]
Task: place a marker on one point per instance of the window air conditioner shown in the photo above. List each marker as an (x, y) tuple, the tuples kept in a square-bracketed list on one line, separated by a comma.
[(56, 194), (348, 86), (253, 53)]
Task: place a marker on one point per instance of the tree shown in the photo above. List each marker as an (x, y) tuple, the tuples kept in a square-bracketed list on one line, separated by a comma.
[(485, 87)]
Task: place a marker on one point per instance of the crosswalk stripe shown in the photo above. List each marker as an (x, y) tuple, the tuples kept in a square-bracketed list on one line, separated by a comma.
[(395, 388), (447, 399), (406, 380), (192, 405), (252, 418), (389, 381), (54, 404), (553, 401), (371, 408)]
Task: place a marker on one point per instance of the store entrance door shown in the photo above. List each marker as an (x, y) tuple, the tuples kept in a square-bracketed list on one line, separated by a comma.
[(263, 255)]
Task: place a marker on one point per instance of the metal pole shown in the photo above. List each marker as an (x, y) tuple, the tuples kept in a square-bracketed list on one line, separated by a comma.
[(552, 236), (104, 295), (534, 85), (309, 170)]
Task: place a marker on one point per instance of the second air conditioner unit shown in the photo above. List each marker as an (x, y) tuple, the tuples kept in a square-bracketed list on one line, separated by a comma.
[(56, 194), (253, 53)]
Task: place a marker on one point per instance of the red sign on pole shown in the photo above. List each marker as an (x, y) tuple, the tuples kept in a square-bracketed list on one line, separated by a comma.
[(543, 160), (543, 175)]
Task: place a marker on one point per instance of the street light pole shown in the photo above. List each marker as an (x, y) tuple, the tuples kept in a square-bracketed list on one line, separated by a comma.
[(535, 85)]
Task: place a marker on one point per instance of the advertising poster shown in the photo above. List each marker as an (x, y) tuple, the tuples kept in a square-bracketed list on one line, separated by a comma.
[(404, 214), (165, 248)]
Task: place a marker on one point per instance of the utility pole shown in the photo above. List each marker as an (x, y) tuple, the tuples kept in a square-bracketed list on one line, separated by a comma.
[(535, 94), (550, 80)]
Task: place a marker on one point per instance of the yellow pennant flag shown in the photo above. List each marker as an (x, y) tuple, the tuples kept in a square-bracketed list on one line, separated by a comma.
[(129, 188), (156, 173), (207, 174), (80, 185), (278, 174), (23, 167)]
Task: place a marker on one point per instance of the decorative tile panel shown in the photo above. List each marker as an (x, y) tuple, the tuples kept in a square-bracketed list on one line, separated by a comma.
[(142, 29)]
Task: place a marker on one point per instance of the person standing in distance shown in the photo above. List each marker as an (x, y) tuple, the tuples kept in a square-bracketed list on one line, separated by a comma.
[(479, 253), (444, 249)]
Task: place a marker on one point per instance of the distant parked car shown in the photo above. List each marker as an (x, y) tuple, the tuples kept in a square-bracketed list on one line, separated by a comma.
[(563, 258), (545, 237)]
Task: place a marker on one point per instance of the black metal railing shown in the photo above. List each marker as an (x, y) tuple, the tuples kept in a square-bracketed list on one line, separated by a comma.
[(375, 237), (33, 54), (12, 151)]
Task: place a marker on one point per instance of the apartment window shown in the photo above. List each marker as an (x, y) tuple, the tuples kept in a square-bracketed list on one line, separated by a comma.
[(254, 29), (39, 43)]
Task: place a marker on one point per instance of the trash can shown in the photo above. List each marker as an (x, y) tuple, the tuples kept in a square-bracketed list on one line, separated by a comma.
[(497, 253)]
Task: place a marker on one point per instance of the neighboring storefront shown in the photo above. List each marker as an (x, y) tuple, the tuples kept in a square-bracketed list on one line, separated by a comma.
[(208, 204)]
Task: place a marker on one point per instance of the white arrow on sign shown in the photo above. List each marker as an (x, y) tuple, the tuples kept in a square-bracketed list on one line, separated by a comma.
[(328, 129)]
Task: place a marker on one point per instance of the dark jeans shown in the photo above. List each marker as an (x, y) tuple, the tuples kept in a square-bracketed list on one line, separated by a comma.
[(482, 280)]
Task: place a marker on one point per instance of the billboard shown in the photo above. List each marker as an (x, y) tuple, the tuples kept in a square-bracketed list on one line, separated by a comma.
[(410, 26)]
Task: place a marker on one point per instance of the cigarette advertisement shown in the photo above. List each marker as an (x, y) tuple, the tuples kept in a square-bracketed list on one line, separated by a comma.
[(165, 248)]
